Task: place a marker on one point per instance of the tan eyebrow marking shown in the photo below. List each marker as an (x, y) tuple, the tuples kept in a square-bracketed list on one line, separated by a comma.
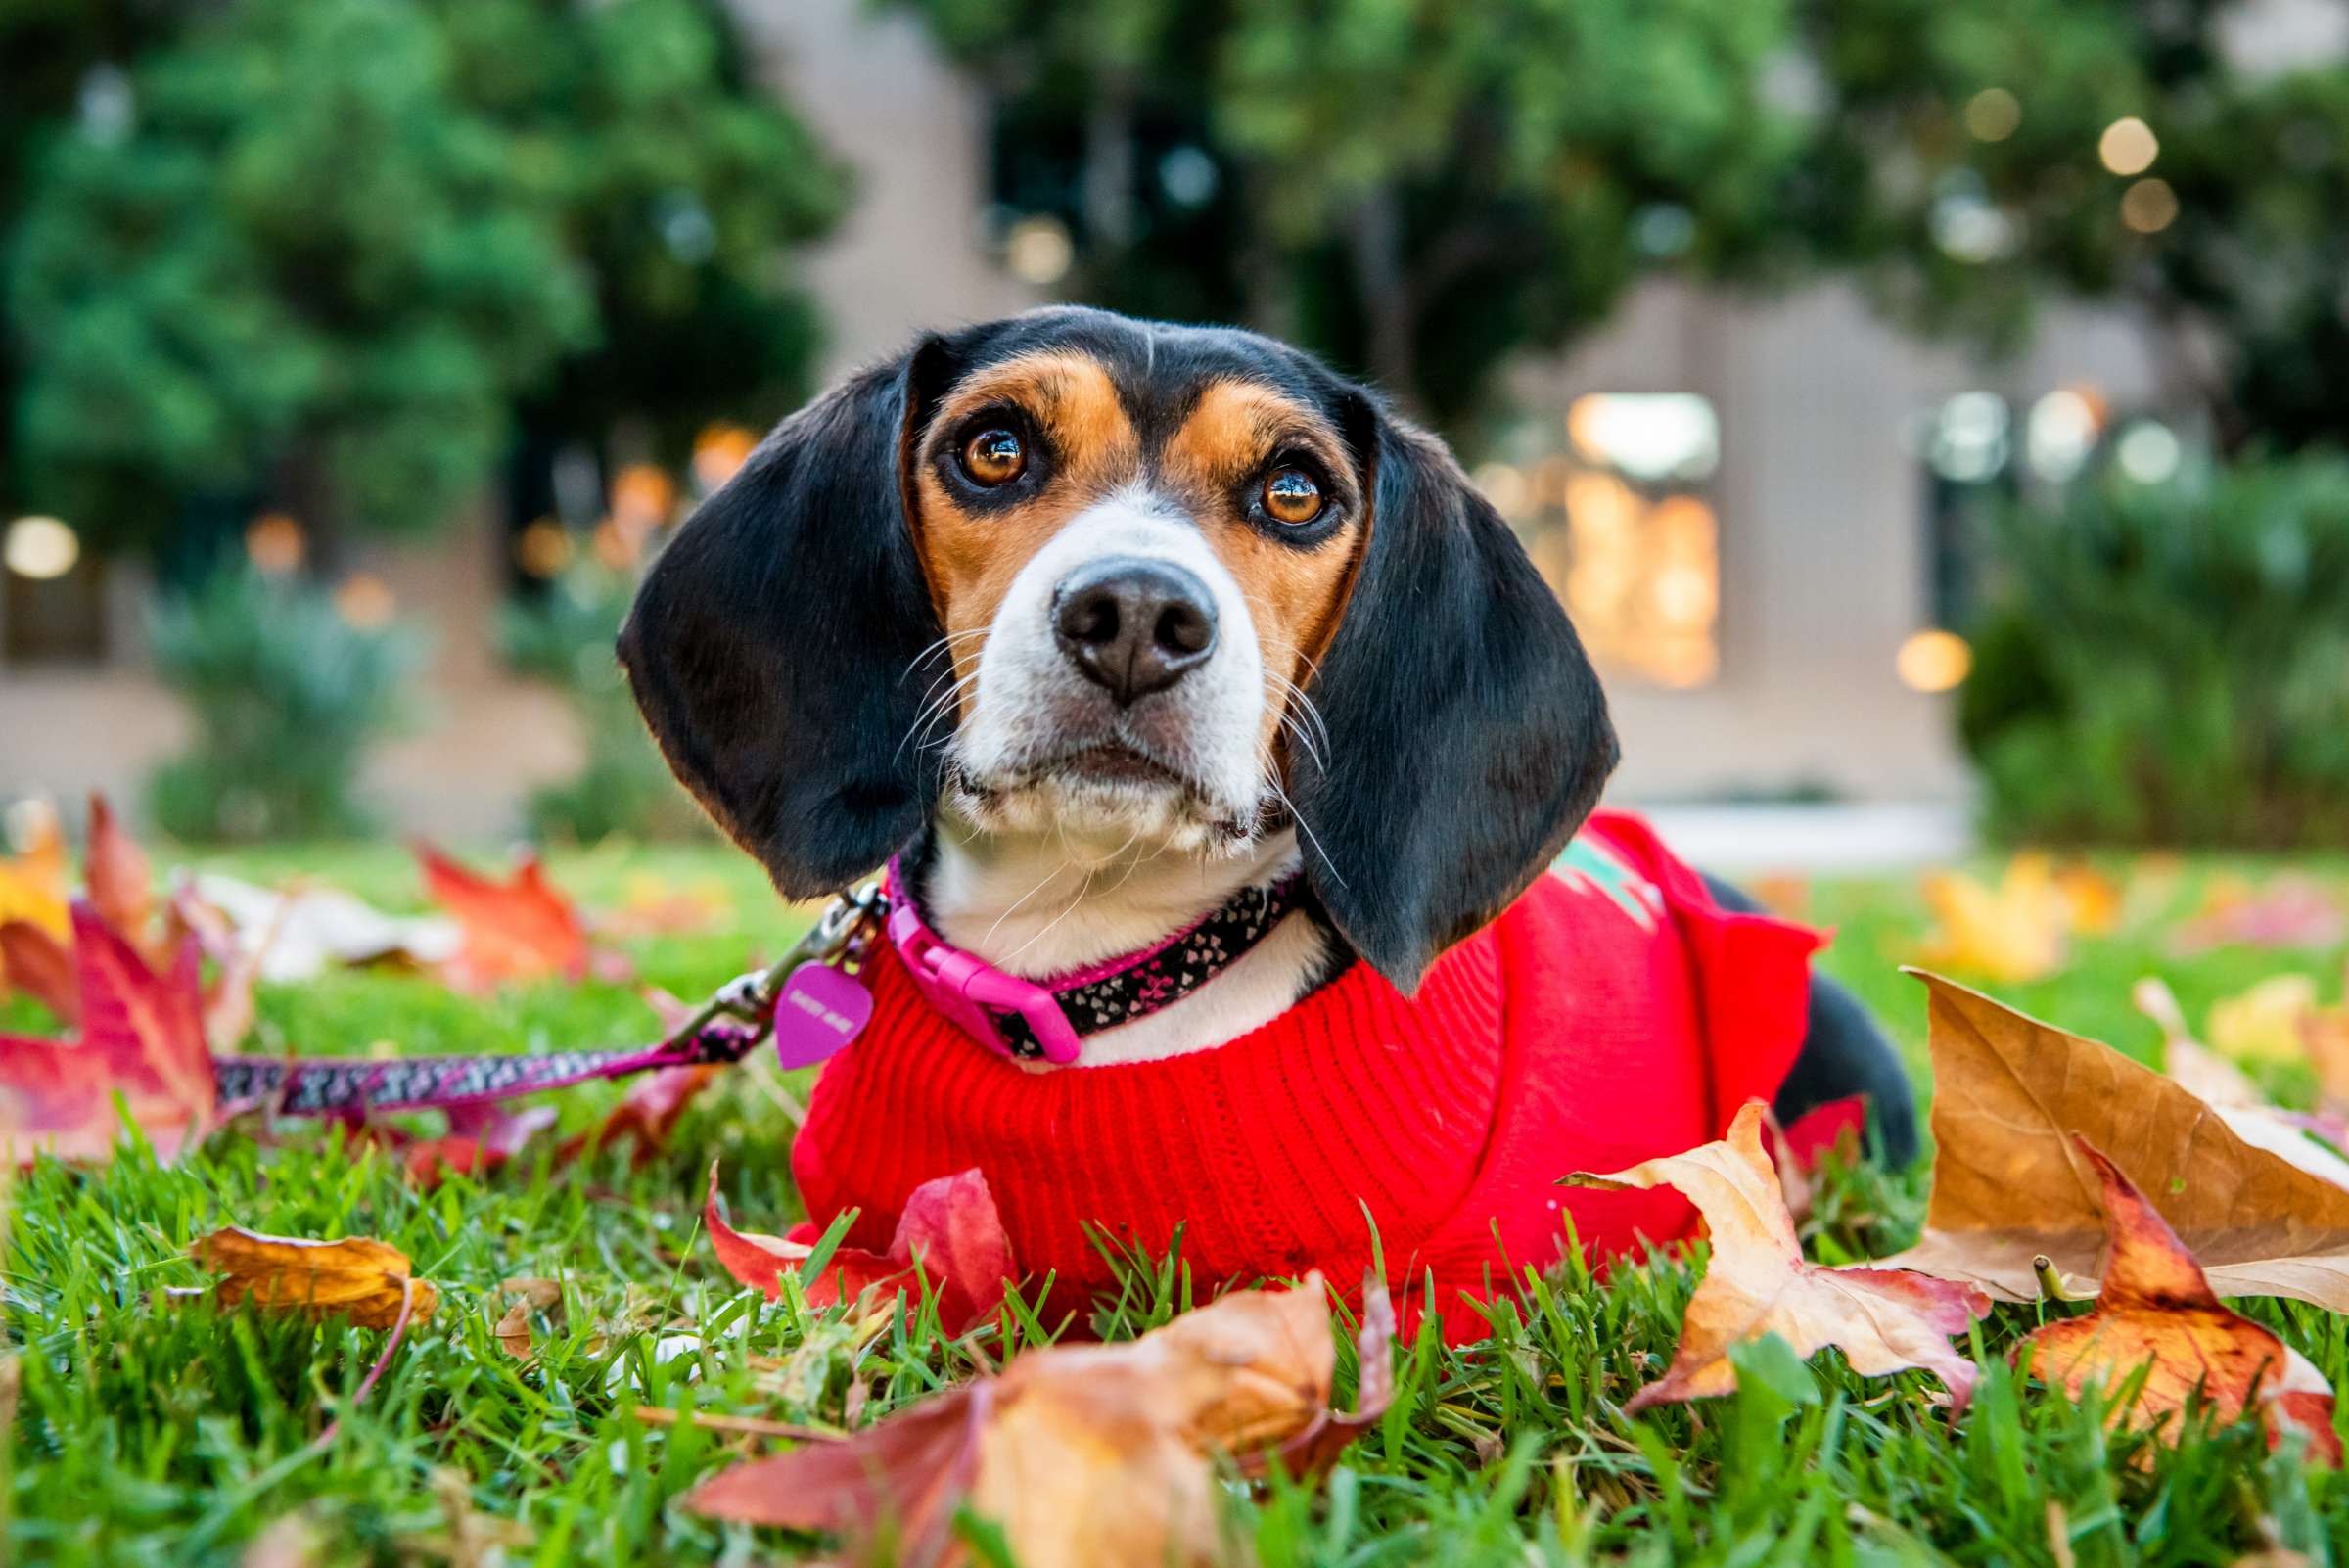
[(1295, 596), (1068, 394), (1233, 427), (970, 561)]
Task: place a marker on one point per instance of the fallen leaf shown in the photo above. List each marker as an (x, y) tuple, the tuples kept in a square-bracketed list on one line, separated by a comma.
[(1758, 1282), (479, 1141), (2159, 1311), (950, 1229), (2326, 1039), (2264, 1023), (2194, 1066), (540, 1295), (43, 967), (513, 1331), (300, 933), (2014, 932), (519, 928), (2239, 1102), (2092, 901), (120, 880), (651, 906), (357, 1277), (2008, 1094), (142, 1038), (2289, 912), (32, 883), (1082, 1454)]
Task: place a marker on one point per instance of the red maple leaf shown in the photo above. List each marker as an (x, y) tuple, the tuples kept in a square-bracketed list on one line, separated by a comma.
[(142, 1038), (949, 1231)]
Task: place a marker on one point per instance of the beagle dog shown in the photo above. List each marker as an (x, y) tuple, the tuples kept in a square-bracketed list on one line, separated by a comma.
[(1141, 648)]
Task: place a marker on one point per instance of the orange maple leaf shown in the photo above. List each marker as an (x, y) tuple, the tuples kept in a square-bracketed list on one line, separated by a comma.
[(2156, 1311), (520, 929)]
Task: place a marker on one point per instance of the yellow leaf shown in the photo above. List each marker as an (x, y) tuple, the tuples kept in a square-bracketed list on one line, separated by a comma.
[(2265, 1022), (32, 885), (2014, 932)]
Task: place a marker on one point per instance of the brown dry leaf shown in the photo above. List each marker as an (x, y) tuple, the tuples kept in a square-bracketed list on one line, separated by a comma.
[(2012, 932), (2009, 1093), (357, 1277), (1758, 1282), (1084, 1454), (2157, 1312), (513, 1331), (540, 1295)]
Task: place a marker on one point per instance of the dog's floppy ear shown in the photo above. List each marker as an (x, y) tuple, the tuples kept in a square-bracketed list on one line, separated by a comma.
[(782, 646), (1468, 736)]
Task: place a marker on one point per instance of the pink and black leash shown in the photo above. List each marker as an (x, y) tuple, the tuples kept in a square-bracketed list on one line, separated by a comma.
[(807, 1000), (811, 1003)]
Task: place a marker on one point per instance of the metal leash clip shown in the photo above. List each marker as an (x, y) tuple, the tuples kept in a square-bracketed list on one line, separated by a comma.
[(841, 936)]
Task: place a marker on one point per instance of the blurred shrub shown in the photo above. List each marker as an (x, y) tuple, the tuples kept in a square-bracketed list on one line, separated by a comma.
[(287, 696), (2170, 663), (625, 787)]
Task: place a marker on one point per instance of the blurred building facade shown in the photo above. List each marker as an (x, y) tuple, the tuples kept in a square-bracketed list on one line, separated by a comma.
[(1740, 497)]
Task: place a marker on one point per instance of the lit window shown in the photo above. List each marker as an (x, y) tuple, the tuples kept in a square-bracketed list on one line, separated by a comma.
[(1619, 525)]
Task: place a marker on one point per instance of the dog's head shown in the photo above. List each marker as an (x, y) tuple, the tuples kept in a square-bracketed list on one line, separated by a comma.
[(1143, 584)]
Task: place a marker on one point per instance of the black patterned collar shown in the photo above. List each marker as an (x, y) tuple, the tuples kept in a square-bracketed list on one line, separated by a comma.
[(1045, 1021)]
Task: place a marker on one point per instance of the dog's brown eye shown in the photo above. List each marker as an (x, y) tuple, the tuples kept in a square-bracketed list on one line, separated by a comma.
[(993, 457), (1291, 496)]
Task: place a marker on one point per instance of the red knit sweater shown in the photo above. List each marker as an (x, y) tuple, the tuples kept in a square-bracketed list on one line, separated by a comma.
[(1612, 1014)]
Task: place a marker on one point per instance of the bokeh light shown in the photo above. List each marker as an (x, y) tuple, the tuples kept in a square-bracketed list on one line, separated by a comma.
[(1934, 660), (1992, 115), (543, 548), (717, 452), (2149, 206), (1038, 251), (275, 544), (41, 549), (2128, 146), (366, 601)]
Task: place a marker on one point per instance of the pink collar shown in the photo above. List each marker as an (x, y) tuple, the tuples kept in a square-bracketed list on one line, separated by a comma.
[(1029, 1021)]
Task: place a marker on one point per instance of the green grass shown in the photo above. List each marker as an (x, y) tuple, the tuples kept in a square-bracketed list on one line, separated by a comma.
[(147, 1430)]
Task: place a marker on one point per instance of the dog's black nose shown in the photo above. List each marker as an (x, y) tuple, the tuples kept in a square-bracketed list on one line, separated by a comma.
[(1133, 626)]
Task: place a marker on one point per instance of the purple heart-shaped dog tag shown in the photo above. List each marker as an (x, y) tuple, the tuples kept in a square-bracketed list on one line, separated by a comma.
[(818, 1013)]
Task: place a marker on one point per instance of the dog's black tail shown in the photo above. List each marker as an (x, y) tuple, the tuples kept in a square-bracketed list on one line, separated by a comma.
[(1844, 1053)]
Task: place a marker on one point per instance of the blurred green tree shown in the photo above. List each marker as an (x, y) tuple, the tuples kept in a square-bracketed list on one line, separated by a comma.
[(1981, 159), (1416, 188), (1411, 186), (314, 253), (2003, 153)]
